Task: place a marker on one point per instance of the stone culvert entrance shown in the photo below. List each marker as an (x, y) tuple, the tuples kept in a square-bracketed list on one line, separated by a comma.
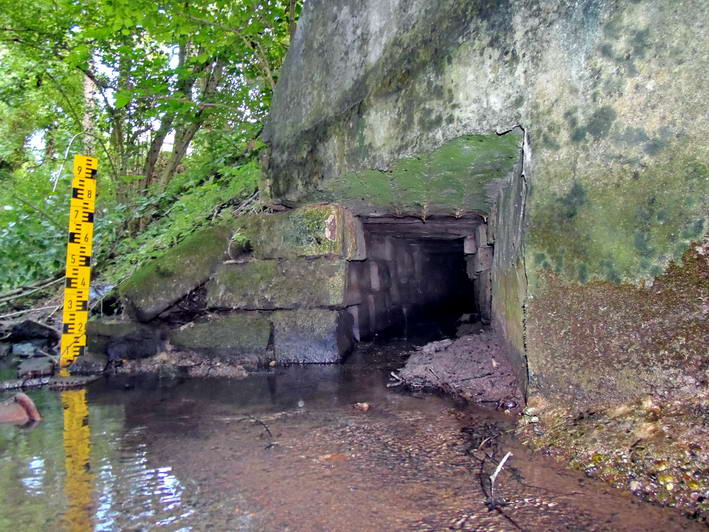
[(420, 277), (399, 253)]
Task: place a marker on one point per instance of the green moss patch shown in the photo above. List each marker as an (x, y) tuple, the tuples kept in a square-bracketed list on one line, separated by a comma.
[(622, 226), (456, 177), (308, 231), (272, 284), (167, 279), (231, 335)]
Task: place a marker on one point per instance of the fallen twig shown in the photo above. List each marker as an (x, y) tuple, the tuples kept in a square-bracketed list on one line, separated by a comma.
[(52, 382), (271, 443), (28, 290), (21, 312)]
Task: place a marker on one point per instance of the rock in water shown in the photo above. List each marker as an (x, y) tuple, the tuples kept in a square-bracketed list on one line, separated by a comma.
[(19, 410)]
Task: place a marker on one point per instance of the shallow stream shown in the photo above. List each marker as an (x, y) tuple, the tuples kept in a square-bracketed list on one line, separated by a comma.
[(286, 449)]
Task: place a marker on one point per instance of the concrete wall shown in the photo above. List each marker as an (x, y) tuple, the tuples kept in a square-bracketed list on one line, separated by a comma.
[(611, 98)]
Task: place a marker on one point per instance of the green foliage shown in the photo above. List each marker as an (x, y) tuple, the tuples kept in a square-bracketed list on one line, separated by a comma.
[(170, 96), (190, 210)]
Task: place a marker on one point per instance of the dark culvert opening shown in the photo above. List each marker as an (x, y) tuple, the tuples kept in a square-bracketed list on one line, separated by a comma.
[(421, 280)]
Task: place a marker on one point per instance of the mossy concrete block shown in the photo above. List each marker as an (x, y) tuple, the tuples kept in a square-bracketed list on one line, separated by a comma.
[(311, 336), (122, 339), (275, 284), (235, 335), (164, 281), (309, 231)]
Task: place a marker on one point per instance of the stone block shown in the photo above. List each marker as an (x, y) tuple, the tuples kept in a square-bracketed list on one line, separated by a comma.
[(357, 282), (24, 349), (470, 244), (309, 231), (243, 335), (122, 340), (378, 306), (470, 263), (481, 235), (381, 247), (353, 232), (311, 336), (165, 280), (404, 264), (35, 367), (483, 259), (274, 284), (483, 295), (379, 277)]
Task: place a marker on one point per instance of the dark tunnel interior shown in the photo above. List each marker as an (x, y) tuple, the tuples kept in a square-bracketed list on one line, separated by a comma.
[(421, 279)]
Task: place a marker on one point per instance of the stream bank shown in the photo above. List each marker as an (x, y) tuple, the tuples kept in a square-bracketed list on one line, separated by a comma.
[(254, 454)]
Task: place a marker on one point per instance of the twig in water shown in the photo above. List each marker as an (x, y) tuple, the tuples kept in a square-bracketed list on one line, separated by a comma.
[(493, 477), (399, 380), (271, 443)]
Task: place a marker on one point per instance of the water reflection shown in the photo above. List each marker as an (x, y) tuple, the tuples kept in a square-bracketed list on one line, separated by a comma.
[(78, 481), (82, 469)]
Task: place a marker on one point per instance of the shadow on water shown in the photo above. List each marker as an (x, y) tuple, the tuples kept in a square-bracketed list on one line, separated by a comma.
[(282, 449)]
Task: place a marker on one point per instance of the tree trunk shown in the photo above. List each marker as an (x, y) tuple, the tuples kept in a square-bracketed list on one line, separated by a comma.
[(87, 121)]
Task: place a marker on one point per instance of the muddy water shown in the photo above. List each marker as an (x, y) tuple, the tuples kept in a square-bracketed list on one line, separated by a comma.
[(286, 450)]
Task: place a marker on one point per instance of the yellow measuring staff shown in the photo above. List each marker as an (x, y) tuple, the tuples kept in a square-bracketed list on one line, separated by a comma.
[(78, 259)]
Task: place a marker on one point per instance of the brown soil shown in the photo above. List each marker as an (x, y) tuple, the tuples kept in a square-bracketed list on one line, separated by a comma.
[(474, 367), (657, 448)]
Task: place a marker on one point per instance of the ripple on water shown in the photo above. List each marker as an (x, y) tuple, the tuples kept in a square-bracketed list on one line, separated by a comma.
[(283, 449)]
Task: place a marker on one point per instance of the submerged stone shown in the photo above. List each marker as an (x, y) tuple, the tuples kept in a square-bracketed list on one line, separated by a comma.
[(273, 284), (122, 340), (311, 336), (35, 367), (244, 335), (167, 279)]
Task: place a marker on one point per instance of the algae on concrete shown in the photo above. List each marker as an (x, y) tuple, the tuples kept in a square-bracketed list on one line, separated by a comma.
[(456, 178), (279, 284), (234, 336), (309, 231), (143, 340)]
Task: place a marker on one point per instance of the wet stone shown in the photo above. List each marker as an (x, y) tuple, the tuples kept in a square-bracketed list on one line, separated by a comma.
[(312, 336), (5, 349), (25, 349), (35, 367), (123, 340), (32, 330)]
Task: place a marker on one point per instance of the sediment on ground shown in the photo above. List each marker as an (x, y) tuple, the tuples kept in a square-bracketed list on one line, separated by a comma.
[(474, 367)]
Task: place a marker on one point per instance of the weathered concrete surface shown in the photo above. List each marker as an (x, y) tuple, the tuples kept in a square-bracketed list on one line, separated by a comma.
[(624, 337), (236, 336), (311, 336), (275, 284), (611, 96), (167, 279), (310, 231)]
